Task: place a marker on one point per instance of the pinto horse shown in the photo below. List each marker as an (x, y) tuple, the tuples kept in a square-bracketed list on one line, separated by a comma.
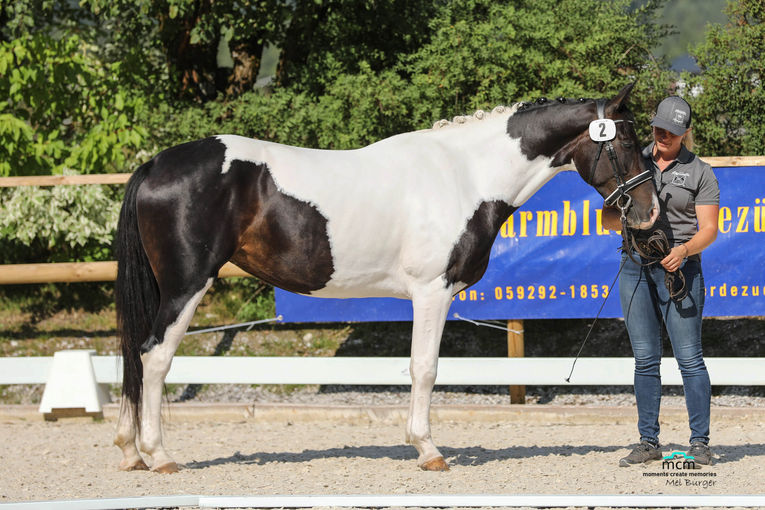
[(413, 216)]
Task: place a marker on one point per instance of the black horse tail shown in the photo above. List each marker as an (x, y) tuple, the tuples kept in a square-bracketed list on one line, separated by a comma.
[(136, 293)]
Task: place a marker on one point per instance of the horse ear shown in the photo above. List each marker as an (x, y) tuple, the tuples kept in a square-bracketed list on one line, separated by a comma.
[(620, 99)]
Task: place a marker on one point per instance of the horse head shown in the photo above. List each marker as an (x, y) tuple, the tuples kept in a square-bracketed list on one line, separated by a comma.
[(598, 137), (608, 157)]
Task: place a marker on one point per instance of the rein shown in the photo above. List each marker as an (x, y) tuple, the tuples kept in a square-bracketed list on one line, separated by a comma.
[(654, 248)]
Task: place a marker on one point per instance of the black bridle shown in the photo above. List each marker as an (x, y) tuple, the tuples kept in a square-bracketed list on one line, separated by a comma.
[(619, 197), (652, 248)]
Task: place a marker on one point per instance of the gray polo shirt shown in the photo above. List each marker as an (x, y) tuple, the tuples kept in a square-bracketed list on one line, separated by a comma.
[(685, 183)]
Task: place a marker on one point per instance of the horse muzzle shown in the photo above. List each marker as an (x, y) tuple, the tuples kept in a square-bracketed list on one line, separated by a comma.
[(642, 220)]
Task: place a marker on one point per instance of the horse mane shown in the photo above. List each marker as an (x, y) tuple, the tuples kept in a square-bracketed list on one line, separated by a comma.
[(542, 102), (478, 115)]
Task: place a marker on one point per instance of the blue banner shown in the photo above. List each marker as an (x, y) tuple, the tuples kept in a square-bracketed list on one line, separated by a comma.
[(554, 259)]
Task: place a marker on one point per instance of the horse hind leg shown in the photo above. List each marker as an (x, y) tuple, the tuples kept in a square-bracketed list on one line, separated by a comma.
[(430, 304), (175, 314), (126, 434)]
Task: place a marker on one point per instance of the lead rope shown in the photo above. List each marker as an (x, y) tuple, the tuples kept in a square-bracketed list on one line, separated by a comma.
[(592, 326), (653, 249)]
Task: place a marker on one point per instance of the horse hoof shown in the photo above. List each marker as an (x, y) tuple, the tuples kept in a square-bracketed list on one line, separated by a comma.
[(437, 464), (166, 469), (137, 466)]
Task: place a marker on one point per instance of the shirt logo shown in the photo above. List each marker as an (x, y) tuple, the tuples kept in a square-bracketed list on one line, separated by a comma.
[(678, 178)]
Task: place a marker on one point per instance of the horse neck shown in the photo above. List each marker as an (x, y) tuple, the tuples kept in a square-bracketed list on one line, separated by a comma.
[(548, 137), (493, 162)]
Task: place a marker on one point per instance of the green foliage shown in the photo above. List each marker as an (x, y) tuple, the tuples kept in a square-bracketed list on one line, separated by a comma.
[(244, 299), (64, 109), (60, 223), (197, 48), (356, 110), (329, 38), (484, 53), (260, 307), (478, 54), (730, 108)]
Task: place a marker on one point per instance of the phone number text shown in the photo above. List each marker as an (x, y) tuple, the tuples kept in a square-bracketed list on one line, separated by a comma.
[(542, 292)]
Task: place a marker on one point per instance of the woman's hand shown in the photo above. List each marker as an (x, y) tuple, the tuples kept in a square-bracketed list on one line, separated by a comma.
[(674, 260), (707, 233)]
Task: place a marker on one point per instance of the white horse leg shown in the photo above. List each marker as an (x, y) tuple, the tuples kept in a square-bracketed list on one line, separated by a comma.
[(131, 459), (431, 304), (156, 364)]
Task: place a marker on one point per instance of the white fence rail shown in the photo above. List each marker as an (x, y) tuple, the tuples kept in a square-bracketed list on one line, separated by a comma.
[(74, 379), (387, 371)]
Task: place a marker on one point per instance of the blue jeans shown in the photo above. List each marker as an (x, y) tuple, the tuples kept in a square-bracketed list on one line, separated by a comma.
[(645, 303)]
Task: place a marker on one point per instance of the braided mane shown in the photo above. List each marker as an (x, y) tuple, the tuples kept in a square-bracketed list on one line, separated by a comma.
[(478, 115), (542, 102)]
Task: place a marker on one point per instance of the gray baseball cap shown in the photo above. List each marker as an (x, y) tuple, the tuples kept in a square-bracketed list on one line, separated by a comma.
[(674, 115)]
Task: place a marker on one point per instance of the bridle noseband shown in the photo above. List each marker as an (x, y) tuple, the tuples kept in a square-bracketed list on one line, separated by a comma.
[(603, 131)]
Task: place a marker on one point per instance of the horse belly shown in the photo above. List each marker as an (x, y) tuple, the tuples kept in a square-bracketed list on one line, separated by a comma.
[(389, 253)]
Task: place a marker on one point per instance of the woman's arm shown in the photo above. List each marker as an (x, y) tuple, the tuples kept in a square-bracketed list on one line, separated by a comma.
[(706, 216)]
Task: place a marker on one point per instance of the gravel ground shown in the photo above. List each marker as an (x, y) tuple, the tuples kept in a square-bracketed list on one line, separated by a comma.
[(610, 396), (526, 453), (75, 458)]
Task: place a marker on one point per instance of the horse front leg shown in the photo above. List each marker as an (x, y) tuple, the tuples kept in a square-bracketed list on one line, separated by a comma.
[(156, 364), (431, 304)]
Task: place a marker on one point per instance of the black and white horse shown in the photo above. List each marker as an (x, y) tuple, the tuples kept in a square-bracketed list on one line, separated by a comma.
[(413, 216)]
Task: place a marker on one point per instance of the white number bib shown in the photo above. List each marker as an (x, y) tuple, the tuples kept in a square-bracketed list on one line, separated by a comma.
[(602, 130)]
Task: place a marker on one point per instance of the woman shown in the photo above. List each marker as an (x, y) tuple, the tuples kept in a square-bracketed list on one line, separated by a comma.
[(689, 199)]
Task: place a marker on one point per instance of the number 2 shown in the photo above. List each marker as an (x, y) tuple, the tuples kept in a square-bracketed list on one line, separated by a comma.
[(602, 129)]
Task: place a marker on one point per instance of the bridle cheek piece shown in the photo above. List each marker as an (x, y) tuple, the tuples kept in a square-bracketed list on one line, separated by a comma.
[(603, 131)]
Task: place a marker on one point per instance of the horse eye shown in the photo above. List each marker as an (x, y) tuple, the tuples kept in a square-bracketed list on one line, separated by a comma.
[(627, 145)]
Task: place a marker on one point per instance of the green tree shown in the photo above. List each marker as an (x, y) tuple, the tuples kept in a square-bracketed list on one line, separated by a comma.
[(63, 108), (730, 108), (327, 38), (484, 53), (474, 54), (191, 49)]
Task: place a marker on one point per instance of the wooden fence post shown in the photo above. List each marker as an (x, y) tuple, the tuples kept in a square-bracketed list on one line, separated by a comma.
[(515, 350)]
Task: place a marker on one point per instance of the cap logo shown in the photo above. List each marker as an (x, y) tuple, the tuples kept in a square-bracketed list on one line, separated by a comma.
[(679, 117)]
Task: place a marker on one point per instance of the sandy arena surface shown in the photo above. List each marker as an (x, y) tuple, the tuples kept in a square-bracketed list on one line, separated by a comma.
[(266, 450)]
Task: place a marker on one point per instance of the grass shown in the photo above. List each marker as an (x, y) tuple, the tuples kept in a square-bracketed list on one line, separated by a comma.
[(40, 320)]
